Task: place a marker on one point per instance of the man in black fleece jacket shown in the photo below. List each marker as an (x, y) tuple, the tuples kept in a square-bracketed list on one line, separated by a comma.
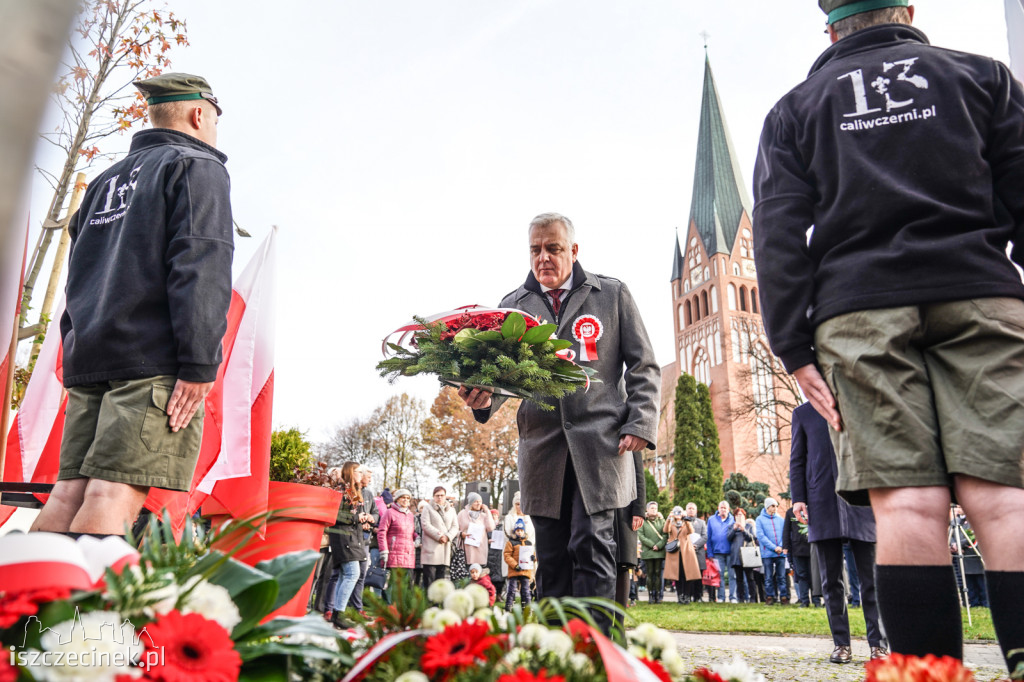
[(149, 284), (888, 185)]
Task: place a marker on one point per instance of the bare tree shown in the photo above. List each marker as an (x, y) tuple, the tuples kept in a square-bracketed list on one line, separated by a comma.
[(394, 438), (350, 442), (768, 397)]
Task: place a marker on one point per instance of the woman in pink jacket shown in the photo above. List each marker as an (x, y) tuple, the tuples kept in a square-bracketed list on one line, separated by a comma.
[(476, 512), (396, 534)]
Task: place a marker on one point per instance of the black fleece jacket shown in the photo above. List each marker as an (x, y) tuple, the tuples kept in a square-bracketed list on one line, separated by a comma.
[(908, 162), (149, 275)]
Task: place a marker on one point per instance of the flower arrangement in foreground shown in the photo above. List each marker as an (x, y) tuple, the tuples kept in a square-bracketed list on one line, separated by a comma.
[(504, 350), (170, 612)]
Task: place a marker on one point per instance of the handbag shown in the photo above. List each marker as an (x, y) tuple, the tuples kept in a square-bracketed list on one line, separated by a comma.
[(377, 576), (712, 575), (672, 546), (750, 556), (459, 568)]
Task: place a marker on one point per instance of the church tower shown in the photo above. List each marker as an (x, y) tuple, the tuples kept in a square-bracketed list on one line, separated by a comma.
[(719, 335)]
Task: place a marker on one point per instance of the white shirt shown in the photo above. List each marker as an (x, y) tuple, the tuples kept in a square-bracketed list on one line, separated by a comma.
[(567, 285)]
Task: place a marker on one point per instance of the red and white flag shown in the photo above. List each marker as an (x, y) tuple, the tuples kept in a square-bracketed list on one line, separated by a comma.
[(33, 443), (237, 425), (1015, 36)]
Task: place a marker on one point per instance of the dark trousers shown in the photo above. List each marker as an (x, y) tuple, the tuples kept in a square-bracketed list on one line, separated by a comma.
[(741, 592), (517, 585), (802, 577), (356, 600), (830, 560), (432, 573), (576, 551), (654, 568)]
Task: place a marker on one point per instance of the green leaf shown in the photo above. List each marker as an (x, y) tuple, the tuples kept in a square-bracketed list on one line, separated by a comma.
[(310, 624), (268, 669), (561, 344), (514, 326), (539, 334), (467, 338), (291, 570), (249, 652), (490, 336), (252, 590)]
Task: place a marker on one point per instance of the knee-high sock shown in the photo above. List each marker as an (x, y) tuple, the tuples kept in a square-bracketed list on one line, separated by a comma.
[(919, 607), (1006, 602)]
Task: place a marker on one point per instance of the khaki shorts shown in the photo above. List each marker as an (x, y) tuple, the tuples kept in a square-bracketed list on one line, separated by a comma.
[(926, 392), (119, 431)]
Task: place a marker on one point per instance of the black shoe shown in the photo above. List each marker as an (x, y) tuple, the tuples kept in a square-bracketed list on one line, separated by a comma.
[(841, 654), (879, 652)]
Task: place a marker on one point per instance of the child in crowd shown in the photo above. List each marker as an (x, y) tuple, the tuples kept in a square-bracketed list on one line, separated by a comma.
[(480, 576), (518, 578)]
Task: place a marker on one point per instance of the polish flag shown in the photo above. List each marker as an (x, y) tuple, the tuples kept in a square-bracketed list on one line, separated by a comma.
[(33, 443), (237, 426), (1015, 36)]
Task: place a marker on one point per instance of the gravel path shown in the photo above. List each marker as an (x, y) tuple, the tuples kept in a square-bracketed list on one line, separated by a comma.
[(806, 658)]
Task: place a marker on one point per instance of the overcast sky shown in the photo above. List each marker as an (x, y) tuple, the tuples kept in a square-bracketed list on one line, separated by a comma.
[(402, 148)]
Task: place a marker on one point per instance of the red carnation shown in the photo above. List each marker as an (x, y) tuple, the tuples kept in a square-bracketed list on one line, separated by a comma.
[(658, 669), (8, 673), (191, 649), (580, 632), (14, 605), (523, 675), (457, 647), (930, 668), (707, 675)]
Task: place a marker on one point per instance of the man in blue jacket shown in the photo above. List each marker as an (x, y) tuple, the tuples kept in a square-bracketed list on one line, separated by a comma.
[(149, 284), (887, 190), (720, 547), (770, 535)]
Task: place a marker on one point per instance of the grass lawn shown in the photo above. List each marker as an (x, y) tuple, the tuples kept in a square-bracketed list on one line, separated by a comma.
[(777, 620)]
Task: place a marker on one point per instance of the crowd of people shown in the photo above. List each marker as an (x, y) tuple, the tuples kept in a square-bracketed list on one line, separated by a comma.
[(428, 539)]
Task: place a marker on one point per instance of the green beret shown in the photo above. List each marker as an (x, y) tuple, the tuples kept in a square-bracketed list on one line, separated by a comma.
[(174, 87), (840, 9)]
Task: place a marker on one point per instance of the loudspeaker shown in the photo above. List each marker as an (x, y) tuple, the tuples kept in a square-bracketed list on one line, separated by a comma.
[(481, 488), (508, 490)]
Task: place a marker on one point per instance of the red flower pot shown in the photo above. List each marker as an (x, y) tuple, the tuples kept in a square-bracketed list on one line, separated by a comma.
[(298, 515)]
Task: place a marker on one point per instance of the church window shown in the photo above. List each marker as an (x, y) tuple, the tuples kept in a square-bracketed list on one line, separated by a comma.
[(706, 274), (736, 269), (689, 315), (735, 345), (714, 299), (762, 379), (753, 300), (704, 303), (732, 296), (702, 366), (696, 308), (743, 299)]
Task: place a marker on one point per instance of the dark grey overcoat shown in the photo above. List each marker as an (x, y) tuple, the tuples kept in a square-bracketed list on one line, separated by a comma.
[(587, 425), (812, 477)]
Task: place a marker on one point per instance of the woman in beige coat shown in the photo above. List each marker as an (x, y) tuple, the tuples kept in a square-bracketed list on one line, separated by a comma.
[(680, 565), (440, 527), (476, 512)]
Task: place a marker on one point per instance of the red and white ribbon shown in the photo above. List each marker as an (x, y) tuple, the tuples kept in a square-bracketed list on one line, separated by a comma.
[(587, 329), (34, 561), (378, 650)]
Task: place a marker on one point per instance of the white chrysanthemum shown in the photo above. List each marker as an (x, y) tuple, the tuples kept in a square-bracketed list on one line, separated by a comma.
[(673, 663), (531, 635), (99, 645), (557, 643), (212, 602), (412, 676), (637, 651), (500, 617), (481, 599), (515, 656), (444, 618), (439, 590), (737, 670), (483, 614), (643, 633), (427, 620), (461, 602), (661, 640), (581, 663)]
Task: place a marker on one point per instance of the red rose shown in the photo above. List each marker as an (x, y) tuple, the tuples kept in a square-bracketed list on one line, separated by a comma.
[(190, 648)]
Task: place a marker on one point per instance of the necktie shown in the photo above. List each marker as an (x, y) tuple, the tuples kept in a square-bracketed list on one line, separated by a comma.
[(556, 299)]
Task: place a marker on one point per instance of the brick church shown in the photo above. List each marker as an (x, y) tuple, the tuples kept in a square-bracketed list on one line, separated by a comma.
[(719, 336)]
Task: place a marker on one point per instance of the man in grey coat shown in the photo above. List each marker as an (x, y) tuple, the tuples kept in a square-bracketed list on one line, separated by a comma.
[(573, 468)]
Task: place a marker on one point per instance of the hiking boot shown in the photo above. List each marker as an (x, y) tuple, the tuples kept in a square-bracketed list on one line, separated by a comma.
[(841, 654), (879, 652), (769, 601), (784, 600)]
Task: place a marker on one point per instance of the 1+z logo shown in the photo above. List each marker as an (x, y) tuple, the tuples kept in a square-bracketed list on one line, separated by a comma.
[(881, 86)]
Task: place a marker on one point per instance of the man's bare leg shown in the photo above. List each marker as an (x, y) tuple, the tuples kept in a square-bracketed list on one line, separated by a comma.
[(61, 507), (109, 507), (914, 577), (994, 512)]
